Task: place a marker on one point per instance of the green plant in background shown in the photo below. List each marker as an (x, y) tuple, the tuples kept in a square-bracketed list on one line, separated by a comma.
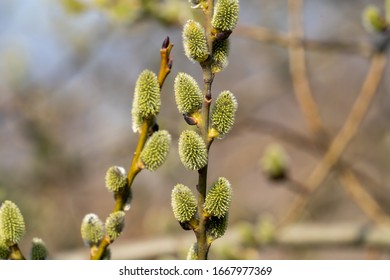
[(151, 152), (12, 230), (374, 20), (129, 11), (207, 212)]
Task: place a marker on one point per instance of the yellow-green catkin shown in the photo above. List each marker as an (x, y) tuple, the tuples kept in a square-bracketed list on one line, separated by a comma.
[(219, 197), (156, 150), (194, 41), (12, 227), (220, 55), (223, 113), (38, 249), (216, 227), (146, 102), (92, 230), (192, 253), (189, 97), (192, 150), (115, 224), (373, 21), (225, 15), (116, 179), (4, 250), (183, 203), (275, 162)]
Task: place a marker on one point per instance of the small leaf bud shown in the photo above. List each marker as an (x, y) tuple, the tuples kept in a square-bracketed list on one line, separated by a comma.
[(188, 95), (156, 150), (373, 21), (275, 162), (12, 227), (146, 102), (194, 41), (116, 179), (183, 203), (217, 202), (38, 249), (192, 150), (92, 230), (115, 224), (216, 227), (223, 112), (220, 55), (225, 15)]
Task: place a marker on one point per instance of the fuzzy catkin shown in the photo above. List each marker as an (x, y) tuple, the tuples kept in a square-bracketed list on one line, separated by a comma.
[(225, 15), (192, 150), (188, 96), (92, 230), (218, 199), (156, 150), (194, 41), (12, 226), (146, 102), (223, 112), (114, 225), (183, 203), (116, 179)]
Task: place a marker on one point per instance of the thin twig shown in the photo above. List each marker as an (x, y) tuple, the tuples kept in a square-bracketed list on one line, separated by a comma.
[(268, 36), (362, 198)]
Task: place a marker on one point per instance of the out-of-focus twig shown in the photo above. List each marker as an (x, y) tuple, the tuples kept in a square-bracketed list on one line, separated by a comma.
[(265, 35), (343, 138), (349, 130)]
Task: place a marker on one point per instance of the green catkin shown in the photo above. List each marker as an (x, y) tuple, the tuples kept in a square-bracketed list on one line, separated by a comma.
[(373, 21), (218, 199), (387, 11), (216, 227), (116, 179), (115, 224), (274, 162), (194, 41), (156, 150), (223, 112), (12, 227), (183, 203), (192, 150), (225, 15), (92, 230), (38, 249), (4, 250), (220, 55), (193, 252), (146, 102), (189, 97)]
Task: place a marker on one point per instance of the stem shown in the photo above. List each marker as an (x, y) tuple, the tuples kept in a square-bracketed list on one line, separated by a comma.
[(98, 255), (208, 77), (121, 198)]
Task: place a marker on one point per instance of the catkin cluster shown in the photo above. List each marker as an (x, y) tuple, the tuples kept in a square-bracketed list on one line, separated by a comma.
[(211, 51)]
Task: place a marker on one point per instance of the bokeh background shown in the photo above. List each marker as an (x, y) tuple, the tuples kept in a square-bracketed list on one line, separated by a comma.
[(67, 75)]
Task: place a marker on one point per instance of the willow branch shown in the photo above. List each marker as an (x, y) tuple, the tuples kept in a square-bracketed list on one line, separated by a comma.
[(268, 36), (121, 198), (208, 77)]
